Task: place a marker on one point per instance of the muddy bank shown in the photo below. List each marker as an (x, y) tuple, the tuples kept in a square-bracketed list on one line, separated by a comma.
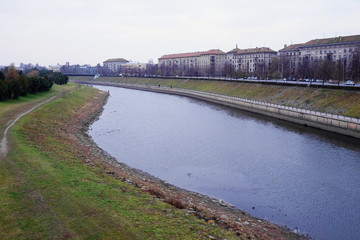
[(210, 210)]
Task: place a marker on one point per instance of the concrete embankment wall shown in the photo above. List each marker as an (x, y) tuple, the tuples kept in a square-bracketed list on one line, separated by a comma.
[(330, 122)]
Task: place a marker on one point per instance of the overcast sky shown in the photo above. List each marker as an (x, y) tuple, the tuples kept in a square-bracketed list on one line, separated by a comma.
[(90, 31)]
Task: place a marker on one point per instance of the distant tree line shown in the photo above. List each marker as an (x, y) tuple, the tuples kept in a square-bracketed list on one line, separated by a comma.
[(14, 83)]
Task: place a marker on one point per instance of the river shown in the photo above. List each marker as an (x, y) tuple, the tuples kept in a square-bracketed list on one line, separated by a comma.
[(303, 178)]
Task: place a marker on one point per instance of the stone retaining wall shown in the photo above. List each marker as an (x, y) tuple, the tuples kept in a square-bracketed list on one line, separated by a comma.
[(330, 122)]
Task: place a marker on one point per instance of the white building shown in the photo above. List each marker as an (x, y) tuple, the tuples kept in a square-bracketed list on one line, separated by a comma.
[(205, 63), (316, 50), (113, 66), (250, 60)]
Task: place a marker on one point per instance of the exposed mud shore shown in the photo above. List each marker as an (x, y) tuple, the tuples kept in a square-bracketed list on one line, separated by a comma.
[(209, 209)]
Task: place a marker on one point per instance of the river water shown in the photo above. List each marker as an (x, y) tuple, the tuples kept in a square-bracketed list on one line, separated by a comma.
[(303, 178)]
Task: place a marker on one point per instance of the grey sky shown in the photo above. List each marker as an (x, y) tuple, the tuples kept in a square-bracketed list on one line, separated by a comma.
[(89, 32)]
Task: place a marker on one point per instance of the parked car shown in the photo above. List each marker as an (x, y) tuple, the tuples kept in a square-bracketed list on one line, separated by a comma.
[(349, 82), (333, 81)]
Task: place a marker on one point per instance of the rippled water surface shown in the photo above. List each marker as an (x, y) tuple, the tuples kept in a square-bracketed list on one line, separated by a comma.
[(304, 178)]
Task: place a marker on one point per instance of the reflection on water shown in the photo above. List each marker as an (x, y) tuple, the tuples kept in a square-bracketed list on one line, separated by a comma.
[(288, 174)]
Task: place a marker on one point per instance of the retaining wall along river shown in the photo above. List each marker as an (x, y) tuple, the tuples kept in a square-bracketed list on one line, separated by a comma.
[(329, 122)]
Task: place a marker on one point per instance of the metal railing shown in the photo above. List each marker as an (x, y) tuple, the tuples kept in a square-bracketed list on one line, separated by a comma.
[(244, 100)]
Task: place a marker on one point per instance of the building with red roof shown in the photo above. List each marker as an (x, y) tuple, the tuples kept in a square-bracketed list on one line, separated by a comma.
[(337, 49)]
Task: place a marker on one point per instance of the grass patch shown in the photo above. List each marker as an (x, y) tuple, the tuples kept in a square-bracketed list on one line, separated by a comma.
[(47, 192)]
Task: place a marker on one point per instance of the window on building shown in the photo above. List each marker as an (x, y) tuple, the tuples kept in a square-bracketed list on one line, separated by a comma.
[(320, 51), (320, 58), (344, 50), (345, 56), (350, 49), (325, 52), (334, 51)]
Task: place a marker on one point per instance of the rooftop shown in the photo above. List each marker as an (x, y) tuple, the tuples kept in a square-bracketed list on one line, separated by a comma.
[(193, 54), (252, 50), (323, 41), (116, 60), (340, 39), (292, 47)]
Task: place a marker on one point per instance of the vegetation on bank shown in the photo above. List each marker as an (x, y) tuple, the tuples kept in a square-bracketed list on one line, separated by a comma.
[(50, 190), (335, 101), (15, 84)]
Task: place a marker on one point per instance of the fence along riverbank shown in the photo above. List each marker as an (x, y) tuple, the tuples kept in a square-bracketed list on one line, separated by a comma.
[(329, 122)]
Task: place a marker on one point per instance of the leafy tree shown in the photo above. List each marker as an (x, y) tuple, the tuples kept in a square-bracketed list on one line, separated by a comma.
[(355, 71), (326, 69), (16, 88), (24, 83), (45, 72), (3, 90), (275, 68), (2, 76), (11, 72), (8, 93), (229, 70), (33, 73), (34, 85), (338, 70), (45, 84), (14, 84)]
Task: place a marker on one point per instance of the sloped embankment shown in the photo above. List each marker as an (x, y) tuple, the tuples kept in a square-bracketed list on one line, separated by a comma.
[(56, 183), (335, 101)]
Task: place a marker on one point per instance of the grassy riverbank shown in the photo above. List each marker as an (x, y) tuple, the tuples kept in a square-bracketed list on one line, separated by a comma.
[(343, 102), (52, 187)]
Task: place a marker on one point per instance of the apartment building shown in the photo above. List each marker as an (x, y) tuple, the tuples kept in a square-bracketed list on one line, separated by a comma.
[(113, 66), (134, 69), (250, 60), (316, 50), (205, 63)]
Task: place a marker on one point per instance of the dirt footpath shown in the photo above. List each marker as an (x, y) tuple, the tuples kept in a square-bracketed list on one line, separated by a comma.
[(4, 142)]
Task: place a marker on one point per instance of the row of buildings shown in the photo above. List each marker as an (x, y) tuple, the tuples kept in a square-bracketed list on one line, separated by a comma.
[(343, 51), (111, 67), (293, 60), (216, 62)]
